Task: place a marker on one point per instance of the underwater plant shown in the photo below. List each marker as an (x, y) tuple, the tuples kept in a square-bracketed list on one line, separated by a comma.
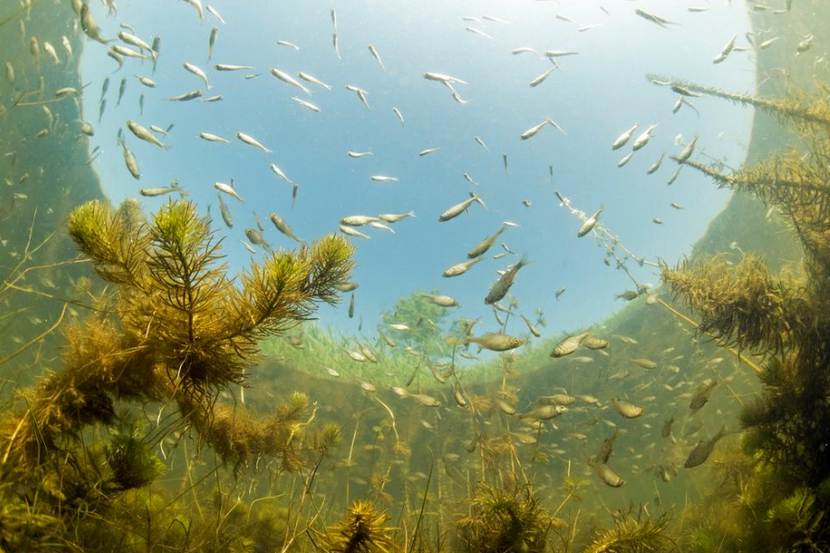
[(503, 520), (632, 534), (783, 317), (363, 530), (175, 328)]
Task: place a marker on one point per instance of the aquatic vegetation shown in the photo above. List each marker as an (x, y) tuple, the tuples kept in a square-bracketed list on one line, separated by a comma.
[(635, 534), (180, 331), (363, 530), (784, 318), (503, 520)]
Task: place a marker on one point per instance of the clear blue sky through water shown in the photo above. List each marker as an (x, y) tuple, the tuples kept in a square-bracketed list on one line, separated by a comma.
[(594, 96)]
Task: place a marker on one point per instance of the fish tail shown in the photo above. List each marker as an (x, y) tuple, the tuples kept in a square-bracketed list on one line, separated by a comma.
[(411, 214)]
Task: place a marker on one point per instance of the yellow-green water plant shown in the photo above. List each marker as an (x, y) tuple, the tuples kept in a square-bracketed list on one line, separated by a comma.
[(177, 330)]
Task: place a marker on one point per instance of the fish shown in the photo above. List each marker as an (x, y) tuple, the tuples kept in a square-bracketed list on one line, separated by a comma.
[(687, 152), (641, 141), (626, 159), (544, 412), (395, 217), (666, 430), (283, 227), (767, 43), (347, 286), (440, 300), (400, 327), (656, 165), (360, 94), (607, 449), (288, 44), (101, 108), (146, 81), (478, 32), (560, 53), (654, 18), (127, 52), (358, 155), (153, 192), (469, 179), (305, 104), (313, 80), (213, 138), (187, 96), (119, 59), (627, 410), (226, 213), (504, 159), (703, 449), (286, 78), (214, 13), (360, 358), (351, 306), (495, 341), (727, 49), (439, 77), (122, 88), (560, 292), (130, 161), (608, 476), (482, 247), (428, 151), (252, 142), (674, 175), (399, 114), (229, 67), (657, 221), (375, 55), (133, 40), (569, 345), (459, 208), (481, 143), (214, 33), (357, 220), (628, 295), (644, 363), (384, 178), (67, 46), (804, 45), (502, 286), (51, 51), (533, 131), (541, 78), (623, 139), (701, 397), (144, 134), (592, 342), (531, 327), (197, 5), (589, 223), (227, 189), (460, 268), (525, 50), (247, 246), (89, 26), (255, 236), (198, 72), (156, 46)]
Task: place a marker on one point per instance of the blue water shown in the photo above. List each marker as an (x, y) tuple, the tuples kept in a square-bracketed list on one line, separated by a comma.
[(595, 97)]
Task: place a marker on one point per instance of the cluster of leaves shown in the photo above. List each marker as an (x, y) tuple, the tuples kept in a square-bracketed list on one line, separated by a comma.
[(505, 520), (784, 317), (179, 332)]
